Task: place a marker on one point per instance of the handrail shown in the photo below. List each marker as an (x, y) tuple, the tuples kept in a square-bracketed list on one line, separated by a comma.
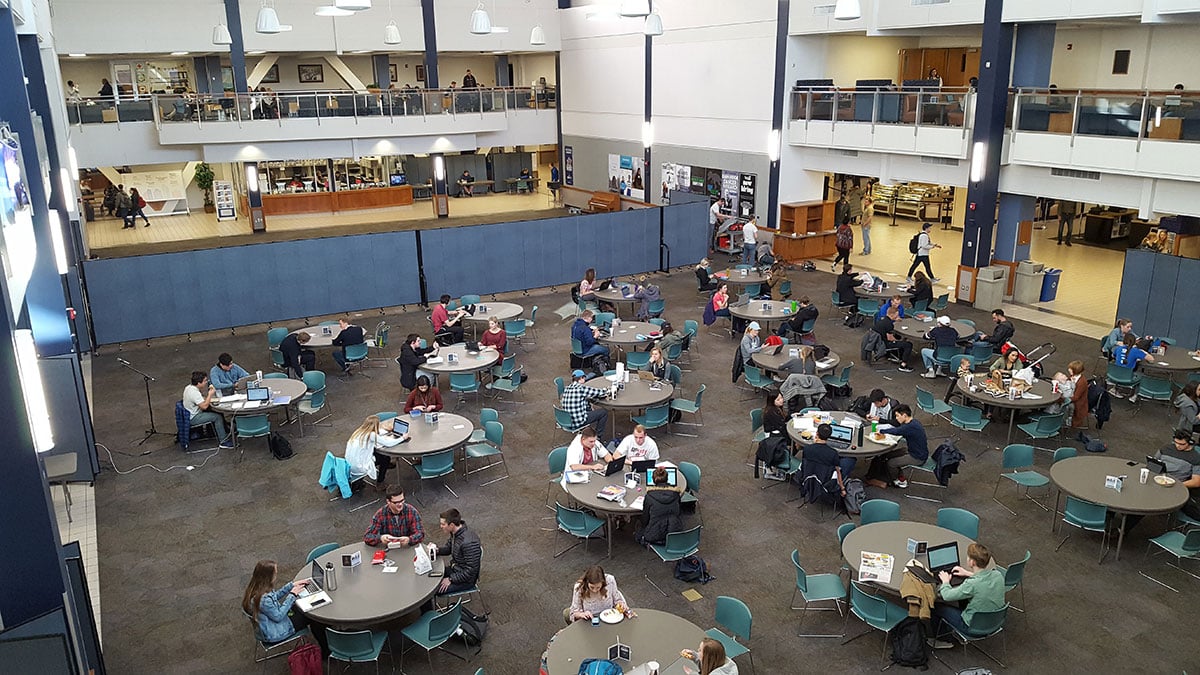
[(1131, 114), (918, 106)]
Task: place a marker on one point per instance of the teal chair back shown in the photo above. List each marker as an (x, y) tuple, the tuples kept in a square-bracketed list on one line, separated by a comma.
[(637, 360), (314, 380), (560, 385), (700, 394), (987, 623), (871, 609), (656, 307), (879, 511), (961, 521), (755, 377), (563, 419), (921, 305), (741, 267), (1017, 456), (328, 323), (1064, 453), (1085, 514), (532, 317), (350, 645), (940, 302), (488, 415), (356, 352), (443, 625), (674, 375), (319, 551), (463, 382), (801, 575), (1155, 388), (981, 351), (494, 433), (275, 376), (253, 426), (966, 321), (438, 463), (808, 327), (943, 353), (572, 521), (1049, 425), (844, 378), (385, 416), (657, 321), (835, 298), (557, 459), (691, 473), (785, 288), (514, 329), (965, 415), (924, 399), (1016, 571), (506, 367), (734, 616), (275, 336), (754, 290), (657, 416), (868, 307), (843, 530), (1121, 375), (576, 347), (277, 358), (674, 351), (691, 327), (683, 543), (470, 300), (604, 319), (756, 420)]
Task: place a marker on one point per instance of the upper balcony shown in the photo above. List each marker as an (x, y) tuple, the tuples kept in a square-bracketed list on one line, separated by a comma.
[(917, 120), (421, 120)]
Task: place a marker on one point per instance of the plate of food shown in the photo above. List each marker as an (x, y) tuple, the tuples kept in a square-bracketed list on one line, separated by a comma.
[(1165, 481), (884, 439), (611, 616)]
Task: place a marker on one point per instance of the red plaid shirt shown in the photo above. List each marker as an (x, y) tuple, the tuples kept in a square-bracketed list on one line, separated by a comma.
[(407, 523)]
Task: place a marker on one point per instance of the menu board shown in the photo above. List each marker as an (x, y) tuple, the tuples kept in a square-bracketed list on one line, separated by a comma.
[(223, 198)]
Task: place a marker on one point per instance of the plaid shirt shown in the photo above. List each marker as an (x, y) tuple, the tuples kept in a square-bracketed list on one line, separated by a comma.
[(575, 401), (405, 524)]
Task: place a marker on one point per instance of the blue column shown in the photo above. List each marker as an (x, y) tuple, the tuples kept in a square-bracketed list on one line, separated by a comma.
[(647, 116), (429, 22), (502, 79), (1013, 210), (781, 36), (237, 50), (379, 64)]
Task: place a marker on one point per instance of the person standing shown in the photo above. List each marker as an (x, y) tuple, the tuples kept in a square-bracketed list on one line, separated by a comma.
[(124, 207), (868, 213), (1067, 210), (296, 357), (465, 551), (225, 375), (106, 88), (73, 92), (844, 242), (749, 241), (349, 336), (925, 245), (469, 80), (554, 183), (715, 216)]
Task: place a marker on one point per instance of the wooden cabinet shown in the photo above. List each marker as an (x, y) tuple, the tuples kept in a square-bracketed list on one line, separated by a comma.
[(806, 230)]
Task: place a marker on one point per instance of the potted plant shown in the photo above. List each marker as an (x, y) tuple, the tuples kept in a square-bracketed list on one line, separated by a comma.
[(204, 181), (374, 88)]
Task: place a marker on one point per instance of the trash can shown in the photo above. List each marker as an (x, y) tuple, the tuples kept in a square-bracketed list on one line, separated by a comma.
[(1028, 283), (990, 285), (1050, 285)]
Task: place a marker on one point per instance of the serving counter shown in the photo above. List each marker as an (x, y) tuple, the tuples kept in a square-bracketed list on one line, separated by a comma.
[(333, 202)]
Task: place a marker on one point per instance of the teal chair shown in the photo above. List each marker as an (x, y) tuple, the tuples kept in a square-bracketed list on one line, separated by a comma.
[(835, 299), (984, 625), (557, 461), (469, 300), (275, 336), (785, 288), (656, 307), (807, 329), (817, 588), (928, 403), (655, 417), (940, 302), (320, 551), (1014, 576), (743, 267), (275, 376), (961, 521), (251, 426), (329, 323), (1086, 516), (359, 646), (868, 308), (515, 330), (432, 630), (485, 415), (691, 328), (966, 321), (656, 320), (879, 511), (1123, 377), (967, 418), (921, 305), (357, 354), (277, 360), (530, 323), (1046, 426), (562, 420), (505, 368), (1019, 459), (944, 356), (757, 380), (314, 401), (734, 616), (637, 360), (436, 466), (464, 383), (577, 524), (675, 377), (839, 380), (875, 611), (682, 405), (560, 385), (692, 474), (510, 384), (754, 290), (756, 433), (492, 446), (385, 416), (1064, 453), (1155, 389), (678, 545), (604, 319), (982, 352), (272, 650), (842, 532), (1179, 545)]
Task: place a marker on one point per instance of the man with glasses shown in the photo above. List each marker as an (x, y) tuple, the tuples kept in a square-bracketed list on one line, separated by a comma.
[(1183, 464), (396, 522)]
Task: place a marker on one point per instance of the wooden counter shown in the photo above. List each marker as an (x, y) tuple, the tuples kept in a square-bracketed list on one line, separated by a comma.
[(333, 202)]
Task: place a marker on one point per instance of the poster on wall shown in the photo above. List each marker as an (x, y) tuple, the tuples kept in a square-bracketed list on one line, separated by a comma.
[(730, 182), (568, 165), (696, 179), (223, 199), (18, 246), (625, 176), (746, 194), (712, 183), (738, 189)]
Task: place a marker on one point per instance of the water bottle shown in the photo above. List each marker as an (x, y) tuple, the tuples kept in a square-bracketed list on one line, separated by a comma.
[(330, 577)]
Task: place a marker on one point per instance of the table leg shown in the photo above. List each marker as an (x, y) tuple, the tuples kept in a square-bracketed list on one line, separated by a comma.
[(1120, 537), (609, 518), (1012, 417), (1054, 512)]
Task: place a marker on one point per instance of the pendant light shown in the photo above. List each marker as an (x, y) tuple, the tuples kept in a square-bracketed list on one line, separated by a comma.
[(268, 20), (847, 10), (537, 36), (352, 5), (481, 23), (653, 25), (221, 35), (635, 8), (331, 10), (391, 33)]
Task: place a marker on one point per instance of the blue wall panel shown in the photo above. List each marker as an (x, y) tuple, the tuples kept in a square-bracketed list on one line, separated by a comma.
[(1185, 320), (685, 230), (1135, 287), (1160, 305)]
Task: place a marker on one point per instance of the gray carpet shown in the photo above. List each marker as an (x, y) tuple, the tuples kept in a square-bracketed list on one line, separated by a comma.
[(177, 548)]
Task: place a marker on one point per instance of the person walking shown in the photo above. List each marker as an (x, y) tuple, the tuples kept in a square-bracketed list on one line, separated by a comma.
[(924, 245), (1066, 220), (136, 204), (844, 243), (868, 212)]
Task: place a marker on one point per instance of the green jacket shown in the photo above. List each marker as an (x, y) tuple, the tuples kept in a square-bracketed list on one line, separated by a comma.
[(983, 591)]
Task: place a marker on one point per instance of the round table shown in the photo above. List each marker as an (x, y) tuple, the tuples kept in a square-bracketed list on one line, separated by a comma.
[(763, 311), (1083, 478), (613, 296), (773, 362), (626, 334), (450, 431), (637, 394), (279, 386), (365, 596), (884, 294), (585, 494), (1175, 361), (317, 337), (892, 537), (501, 311), (916, 330), (736, 279), (1041, 388), (465, 362), (869, 448), (652, 636)]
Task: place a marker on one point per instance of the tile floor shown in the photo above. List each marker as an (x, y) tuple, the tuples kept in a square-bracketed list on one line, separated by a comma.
[(83, 530)]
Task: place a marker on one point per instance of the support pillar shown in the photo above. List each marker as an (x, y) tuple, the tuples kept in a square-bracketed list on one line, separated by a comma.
[(237, 50), (775, 137)]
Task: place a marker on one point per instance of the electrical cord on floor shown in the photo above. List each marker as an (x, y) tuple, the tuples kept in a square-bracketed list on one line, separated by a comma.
[(188, 467)]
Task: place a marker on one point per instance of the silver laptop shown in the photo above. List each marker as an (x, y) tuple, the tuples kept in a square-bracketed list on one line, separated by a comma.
[(313, 594)]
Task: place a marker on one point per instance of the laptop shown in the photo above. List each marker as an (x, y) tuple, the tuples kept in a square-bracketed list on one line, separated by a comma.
[(313, 594), (944, 558), (259, 394), (605, 285), (399, 427), (646, 376), (772, 351), (472, 347), (1156, 466), (841, 439), (641, 465), (615, 466), (672, 476)]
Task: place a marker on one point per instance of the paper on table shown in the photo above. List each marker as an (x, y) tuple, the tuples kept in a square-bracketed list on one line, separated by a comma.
[(824, 363), (460, 426), (1161, 363), (637, 503), (875, 567), (281, 400), (231, 398), (1031, 396)]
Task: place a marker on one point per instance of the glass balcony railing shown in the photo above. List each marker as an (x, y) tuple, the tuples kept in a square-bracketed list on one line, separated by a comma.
[(284, 105), (1140, 115), (938, 107)]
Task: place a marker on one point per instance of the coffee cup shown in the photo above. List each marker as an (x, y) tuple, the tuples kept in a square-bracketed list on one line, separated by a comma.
[(652, 667), (1144, 475)]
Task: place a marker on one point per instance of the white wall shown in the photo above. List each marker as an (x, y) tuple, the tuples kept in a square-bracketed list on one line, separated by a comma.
[(1016, 11), (814, 17), (1161, 56), (527, 68), (858, 57), (451, 68), (601, 92), (86, 73), (453, 18), (895, 14)]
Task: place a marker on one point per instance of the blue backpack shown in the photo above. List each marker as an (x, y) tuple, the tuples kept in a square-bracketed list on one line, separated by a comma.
[(599, 667)]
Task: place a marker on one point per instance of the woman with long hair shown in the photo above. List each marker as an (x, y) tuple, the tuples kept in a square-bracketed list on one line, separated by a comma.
[(136, 209), (587, 290), (657, 364), (921, 289), (360, 449), (774, 415), (424, 397), (710, 656), (494, 336), (270, 608), (594, 593)]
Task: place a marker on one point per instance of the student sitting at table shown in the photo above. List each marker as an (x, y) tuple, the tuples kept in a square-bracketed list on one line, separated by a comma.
[(1188, 402), (751, 344), (1128, 354), (660, 510), (465, 554), (494, 337), (1006, 364), (895, 302), (465, 184), (943, 335), (348, 336), (575, 401), (271, 609), (710, 657), (637, 446), (921, 289), (876, 407), (586, 453), (525, 174), (1001, 333), (718, 305), (1116, 336), (896, 347), (583, 331), (819, 459), (671, 337), (775, 416), (595, 592), (197, 401), (847, 281), (447, 326), (646, 293), (915, 452), (424, 398), (360, 451), (296, 357), (396, 521), (587, 287), (982, 588), (704, 276), (657, 365), (412, 357), (805, 312), (225, 375)]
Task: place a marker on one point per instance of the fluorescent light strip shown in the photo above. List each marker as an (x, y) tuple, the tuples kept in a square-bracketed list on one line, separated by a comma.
[(34, 393)]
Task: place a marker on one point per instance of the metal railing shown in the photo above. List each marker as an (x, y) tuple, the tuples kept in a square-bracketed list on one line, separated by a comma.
[(280, 106), (1141, 115), (931, 107)]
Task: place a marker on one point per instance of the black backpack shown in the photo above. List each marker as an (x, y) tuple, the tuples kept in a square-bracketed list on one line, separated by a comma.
[(908, 644), (692, 568), (853, 320), (474, 628), (856, 495), (280, 447), (914, 244)]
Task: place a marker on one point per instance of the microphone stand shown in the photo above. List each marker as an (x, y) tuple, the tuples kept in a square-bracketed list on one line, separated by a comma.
[(146, 379)]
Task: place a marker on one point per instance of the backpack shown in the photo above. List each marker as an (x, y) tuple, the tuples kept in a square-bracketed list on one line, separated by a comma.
[(280, 447), (1092, 444), (305, 659), (853, 320), (855, 496), (474, 628), (141, 202), (692, 568), (914, 244), (908, 644), (599, 667)]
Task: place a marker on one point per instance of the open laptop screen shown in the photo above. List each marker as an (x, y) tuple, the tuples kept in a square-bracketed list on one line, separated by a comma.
[(672, 476), (943, 557), (258, 394), (841, 433)]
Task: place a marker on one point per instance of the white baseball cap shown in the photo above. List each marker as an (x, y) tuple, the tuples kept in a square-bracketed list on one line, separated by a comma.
[(754, 326), (944, 320)]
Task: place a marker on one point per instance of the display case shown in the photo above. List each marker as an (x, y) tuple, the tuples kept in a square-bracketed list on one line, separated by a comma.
[(806, 230), (918, 201)]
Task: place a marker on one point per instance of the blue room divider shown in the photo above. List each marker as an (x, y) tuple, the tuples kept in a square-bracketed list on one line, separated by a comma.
[(1158, 293)]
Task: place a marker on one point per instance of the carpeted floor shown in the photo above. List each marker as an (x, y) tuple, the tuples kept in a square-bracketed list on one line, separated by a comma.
[(177, 548)]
